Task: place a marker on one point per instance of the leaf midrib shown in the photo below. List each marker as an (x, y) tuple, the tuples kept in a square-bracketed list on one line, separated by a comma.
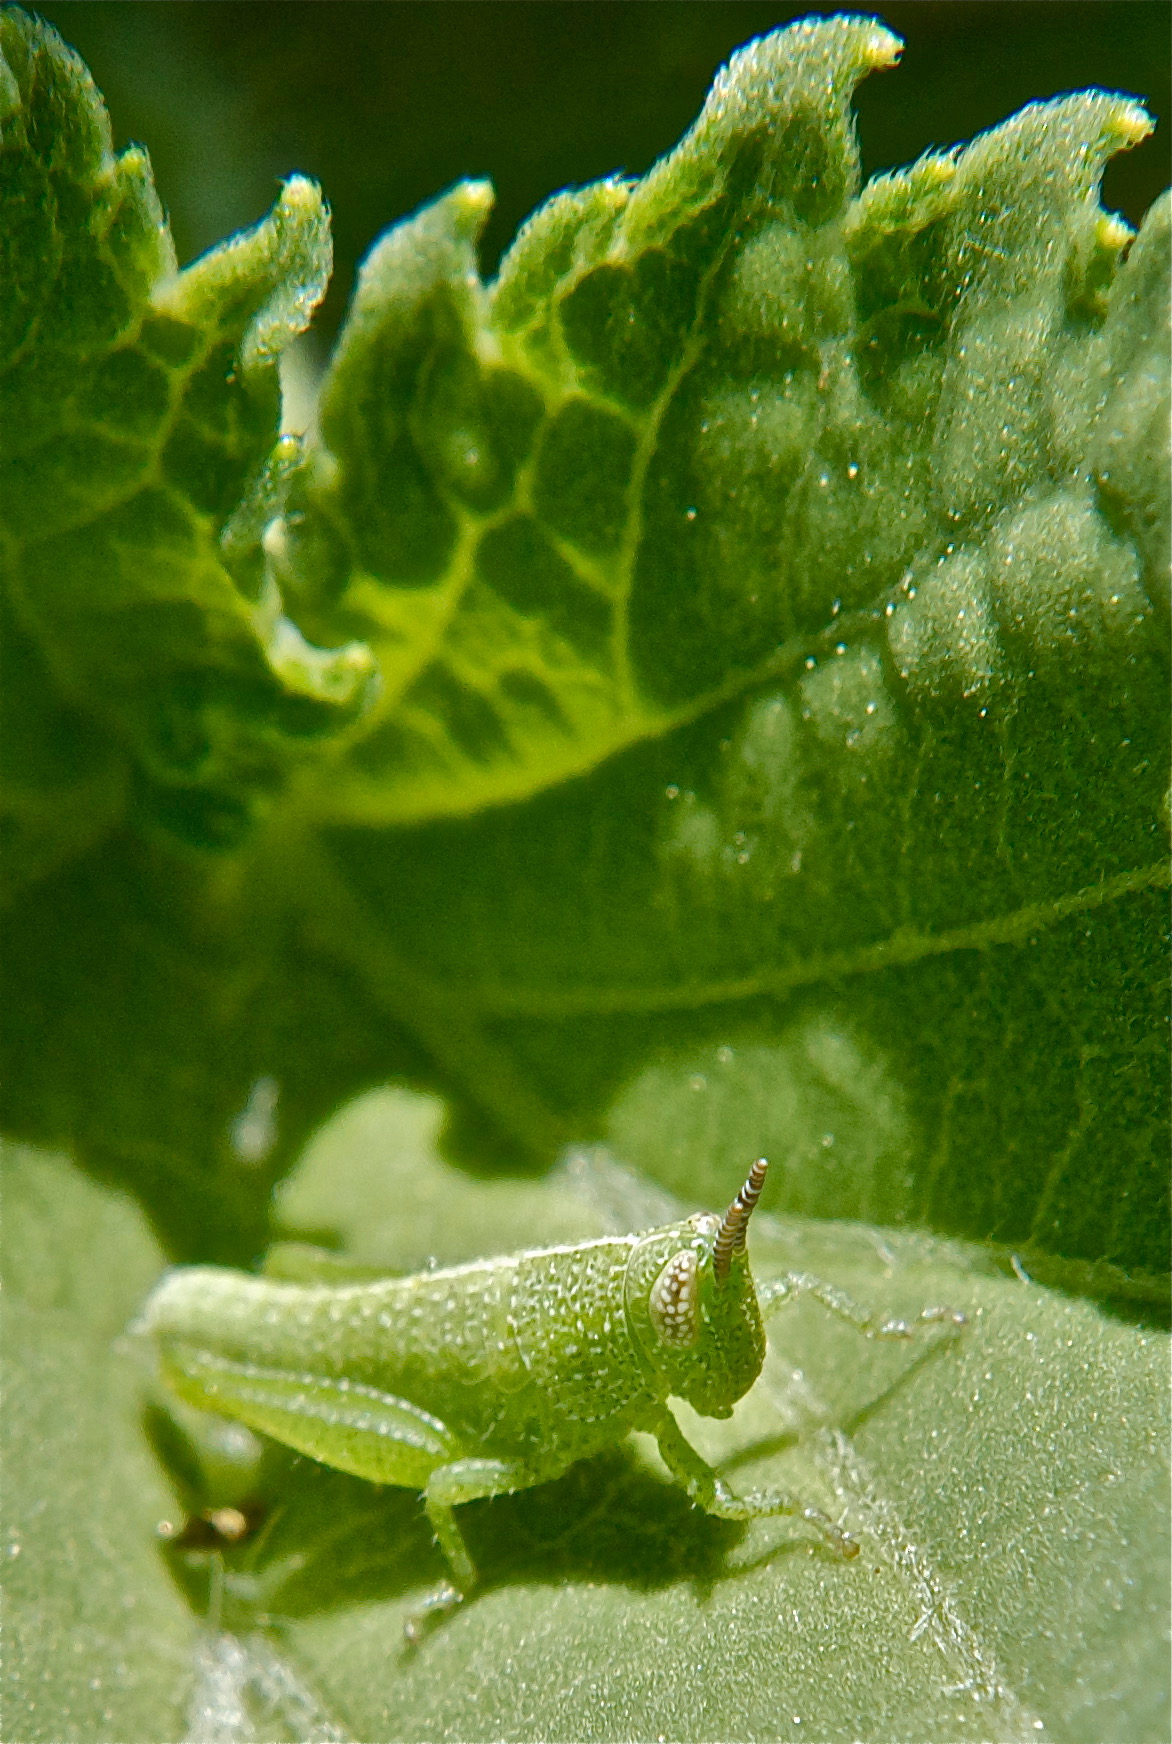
[(904, 946)]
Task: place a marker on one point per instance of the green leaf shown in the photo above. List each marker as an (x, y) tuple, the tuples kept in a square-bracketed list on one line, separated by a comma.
[(139, 406), (877, 886), (893, 912), (693, 419), (488, 502), (1009, 1488), (140, 1030), (98, 1643), (768, 580)]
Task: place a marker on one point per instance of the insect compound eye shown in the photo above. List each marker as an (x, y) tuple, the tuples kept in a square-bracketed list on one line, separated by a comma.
[(672, 1304)]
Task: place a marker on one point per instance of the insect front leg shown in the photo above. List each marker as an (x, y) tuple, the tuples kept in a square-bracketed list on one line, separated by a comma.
[(703, 1485), (778, 1291)]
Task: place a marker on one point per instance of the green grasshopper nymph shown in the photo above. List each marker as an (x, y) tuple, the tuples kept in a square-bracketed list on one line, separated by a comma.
[(481, 1379)]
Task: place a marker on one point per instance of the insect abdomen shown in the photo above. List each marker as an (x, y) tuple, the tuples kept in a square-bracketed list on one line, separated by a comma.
[(433, 1339), (503, 1351)]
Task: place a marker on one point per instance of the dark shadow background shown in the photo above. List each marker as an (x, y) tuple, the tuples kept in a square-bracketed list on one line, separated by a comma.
[(388, 104)]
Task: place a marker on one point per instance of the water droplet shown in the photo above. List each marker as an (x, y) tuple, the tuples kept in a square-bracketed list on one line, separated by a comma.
[(697, 1081), (725, 1056), (852, 470), (672, 790), (691, 514)]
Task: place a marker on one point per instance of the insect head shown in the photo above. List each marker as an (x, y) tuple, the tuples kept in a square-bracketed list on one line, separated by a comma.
[(693, 1308)]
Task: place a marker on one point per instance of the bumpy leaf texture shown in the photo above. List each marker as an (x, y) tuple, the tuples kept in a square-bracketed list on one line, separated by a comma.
[(138, 407), (845, 513), (698, 417), (768, 582)]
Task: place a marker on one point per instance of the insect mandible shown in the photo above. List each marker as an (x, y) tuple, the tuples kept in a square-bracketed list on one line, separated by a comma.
[(481, 1379)]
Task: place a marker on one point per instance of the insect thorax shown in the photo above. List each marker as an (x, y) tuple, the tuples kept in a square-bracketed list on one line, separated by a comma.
[(571, 1328)]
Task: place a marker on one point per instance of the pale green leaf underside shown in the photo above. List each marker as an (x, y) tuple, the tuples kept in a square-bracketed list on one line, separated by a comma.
[(98, 1643), (699, 417), (1010, 1492)]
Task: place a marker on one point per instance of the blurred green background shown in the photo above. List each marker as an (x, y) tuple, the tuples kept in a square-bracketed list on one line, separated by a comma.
[(387, 104)]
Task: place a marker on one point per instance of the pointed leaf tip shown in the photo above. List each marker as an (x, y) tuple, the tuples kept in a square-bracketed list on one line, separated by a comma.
[(882, 47), (473, 201), (1132, 123)]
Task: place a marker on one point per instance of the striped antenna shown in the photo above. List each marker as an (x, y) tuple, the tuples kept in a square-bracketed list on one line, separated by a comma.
[(730, 1238)]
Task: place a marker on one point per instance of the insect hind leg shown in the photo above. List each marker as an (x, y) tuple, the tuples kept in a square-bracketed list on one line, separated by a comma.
[(779, 1291)]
